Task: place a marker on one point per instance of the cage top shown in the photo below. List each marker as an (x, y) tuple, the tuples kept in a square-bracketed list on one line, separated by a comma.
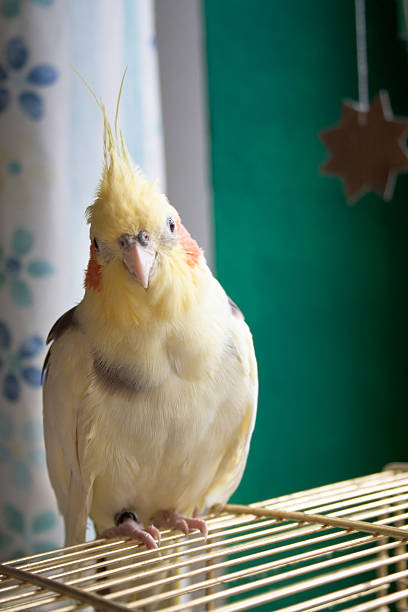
[(341, 546)]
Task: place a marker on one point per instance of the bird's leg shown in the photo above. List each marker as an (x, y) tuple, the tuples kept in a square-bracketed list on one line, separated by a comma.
[(168, 519), (128, 526)]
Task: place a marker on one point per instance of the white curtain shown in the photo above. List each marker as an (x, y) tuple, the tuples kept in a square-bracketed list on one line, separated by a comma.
[(50, 161)]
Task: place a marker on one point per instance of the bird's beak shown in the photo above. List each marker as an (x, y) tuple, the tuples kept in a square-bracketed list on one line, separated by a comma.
[(139, 261)]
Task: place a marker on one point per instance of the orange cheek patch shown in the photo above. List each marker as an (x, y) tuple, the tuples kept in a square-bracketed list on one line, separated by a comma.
[(191, 248), (93, 277)]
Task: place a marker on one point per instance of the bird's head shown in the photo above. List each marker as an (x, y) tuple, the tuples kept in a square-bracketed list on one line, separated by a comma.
[(139, 248)]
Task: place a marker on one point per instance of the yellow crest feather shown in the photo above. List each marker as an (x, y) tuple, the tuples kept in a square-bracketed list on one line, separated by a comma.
[(123, 188), (113, 145)]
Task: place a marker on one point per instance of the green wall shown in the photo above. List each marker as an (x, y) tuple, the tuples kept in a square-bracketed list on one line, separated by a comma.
[(323, 285)]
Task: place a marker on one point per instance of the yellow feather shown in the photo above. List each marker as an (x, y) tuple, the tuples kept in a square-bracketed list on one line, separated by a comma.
[(122, 188), (126, 202)]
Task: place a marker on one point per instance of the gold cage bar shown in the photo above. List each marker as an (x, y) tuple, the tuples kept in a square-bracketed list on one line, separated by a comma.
[(340, 547)]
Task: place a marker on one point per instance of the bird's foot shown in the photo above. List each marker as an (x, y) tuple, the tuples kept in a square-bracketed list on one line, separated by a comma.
[(168, 519), (127, 526)]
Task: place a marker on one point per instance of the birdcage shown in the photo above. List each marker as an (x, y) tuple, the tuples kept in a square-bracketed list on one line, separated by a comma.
[(336, 547)]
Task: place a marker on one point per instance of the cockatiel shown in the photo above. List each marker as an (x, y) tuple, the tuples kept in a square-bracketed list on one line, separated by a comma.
[(150, 386)]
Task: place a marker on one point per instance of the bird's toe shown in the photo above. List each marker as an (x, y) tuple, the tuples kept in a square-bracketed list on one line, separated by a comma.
[(168, 519), (130, 529)]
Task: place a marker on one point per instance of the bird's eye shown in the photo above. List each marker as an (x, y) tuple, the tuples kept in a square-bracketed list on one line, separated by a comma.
[(96, 245), (171, 224)]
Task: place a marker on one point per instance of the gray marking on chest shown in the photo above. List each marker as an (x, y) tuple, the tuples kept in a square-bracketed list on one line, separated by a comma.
[(117, 378)]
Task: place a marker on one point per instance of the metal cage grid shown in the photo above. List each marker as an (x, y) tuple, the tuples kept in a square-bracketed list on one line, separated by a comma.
[(337, 547)]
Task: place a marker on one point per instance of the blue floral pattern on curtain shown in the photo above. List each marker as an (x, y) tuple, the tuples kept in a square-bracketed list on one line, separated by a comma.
[(50, 161), (17, 56)]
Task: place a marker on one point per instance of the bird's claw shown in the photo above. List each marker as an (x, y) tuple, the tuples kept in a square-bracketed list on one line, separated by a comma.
[(130, 529), (172, 520), (154, 532)]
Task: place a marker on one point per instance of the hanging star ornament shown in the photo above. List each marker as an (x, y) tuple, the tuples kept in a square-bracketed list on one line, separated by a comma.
[(367, 148)]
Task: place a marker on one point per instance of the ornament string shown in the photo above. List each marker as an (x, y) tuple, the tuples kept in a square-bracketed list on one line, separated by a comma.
[(367, 148), (362, 63)]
